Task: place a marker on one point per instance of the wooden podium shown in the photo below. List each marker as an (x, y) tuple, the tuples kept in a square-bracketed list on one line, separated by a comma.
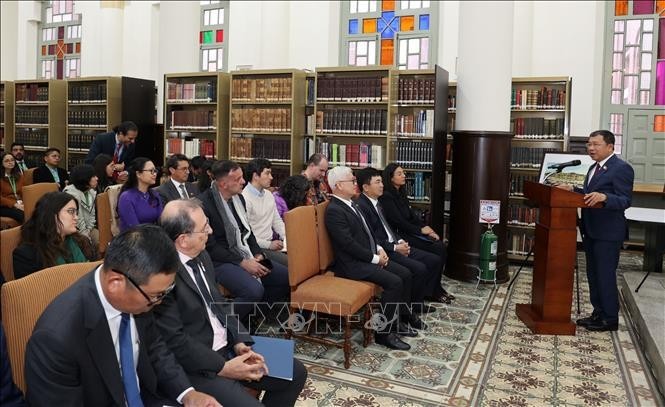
[(554, 260)]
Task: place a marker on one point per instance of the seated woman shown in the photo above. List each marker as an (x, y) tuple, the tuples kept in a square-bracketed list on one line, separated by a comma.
[(83, 187), (401, 216), (296, 191), (103, 166), (50, 237), (137, 203), (11, 186)]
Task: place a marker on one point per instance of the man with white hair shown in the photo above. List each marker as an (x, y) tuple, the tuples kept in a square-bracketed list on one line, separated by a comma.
[(359, 257)]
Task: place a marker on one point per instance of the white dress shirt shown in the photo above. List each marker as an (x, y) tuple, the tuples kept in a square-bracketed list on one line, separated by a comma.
[(601, 164)]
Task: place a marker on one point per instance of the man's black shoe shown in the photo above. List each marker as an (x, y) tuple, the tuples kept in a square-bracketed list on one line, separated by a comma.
[(443, 299), (602, 326), (403, 329), (415, 322), (392, 341), (588, 320)]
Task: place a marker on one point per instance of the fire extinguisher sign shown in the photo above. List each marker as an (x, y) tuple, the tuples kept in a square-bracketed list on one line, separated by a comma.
[(489, 211)]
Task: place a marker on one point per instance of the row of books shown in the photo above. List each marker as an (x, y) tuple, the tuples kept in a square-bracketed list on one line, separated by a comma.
[(87, 118), (543, 98), (352, 89), (190, 147), (520, 243), (517, 183), (522, 215), (413, 154), (248, 147), (33, 158), (418, 186), (352, 121), (309, 95), (87, 93), (80, 139), (75, 159), (31, 115), (199, 91), (31, 92), (413, 90), (193, 120), (452, 102), (416, 124), (31, 137), (537, 127), (261, 89), (527, 157), (352, 155), (279, 175), (261, 120)]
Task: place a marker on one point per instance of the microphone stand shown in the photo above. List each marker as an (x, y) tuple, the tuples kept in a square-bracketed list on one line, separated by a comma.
[(526, 259)]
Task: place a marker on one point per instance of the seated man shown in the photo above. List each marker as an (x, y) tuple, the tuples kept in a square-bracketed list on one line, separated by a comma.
[(49, 171), (358, 257), (240, 265), (262, 211), (423, 265), (177, 187), (199, 328), (97, 344), (317, 167)]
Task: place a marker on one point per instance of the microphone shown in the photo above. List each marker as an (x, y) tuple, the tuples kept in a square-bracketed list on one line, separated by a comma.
[(561, 166)]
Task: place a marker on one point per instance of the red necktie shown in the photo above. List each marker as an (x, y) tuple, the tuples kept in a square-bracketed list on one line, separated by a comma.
[(116, 153)]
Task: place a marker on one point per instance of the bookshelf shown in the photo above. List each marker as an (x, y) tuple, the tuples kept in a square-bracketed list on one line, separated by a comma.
[(6, 114), (268, 118), (196, 118), (39, 117), (310, 117), (540, 120)]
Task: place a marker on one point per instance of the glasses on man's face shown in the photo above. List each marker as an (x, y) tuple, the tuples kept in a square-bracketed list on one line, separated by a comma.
[(151, 170), (355, 182), (152, 300), (72, 211), (205, 230), (594, 145)]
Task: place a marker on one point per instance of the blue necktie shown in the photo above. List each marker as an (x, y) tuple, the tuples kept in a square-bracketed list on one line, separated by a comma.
[(132, 393)]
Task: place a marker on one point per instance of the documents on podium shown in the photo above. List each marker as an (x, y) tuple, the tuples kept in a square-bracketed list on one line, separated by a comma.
[(278, 354)]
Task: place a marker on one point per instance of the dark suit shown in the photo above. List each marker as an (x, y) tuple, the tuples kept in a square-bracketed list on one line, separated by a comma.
[(10, 395), (185, 326), (603, 232), (105, 143), (353, 258), (244, 287), (424, 266), (43, 174), (27, 260), (169, 192), (70, 358)]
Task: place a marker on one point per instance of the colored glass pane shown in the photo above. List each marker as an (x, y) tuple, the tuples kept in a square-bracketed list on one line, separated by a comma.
[(660, 7), (78, 47), (70, 48), (660, 83), (388, 5), (661, 38), (220, 36), (659, 123), (387, 52), (387, 16), (423, 22), (620, 7), (43, 50), (61, 32), (60, 49), (643, 6), (200, 37), (369, 25), (51, 49), (59, 70), (353, 26), (406, 23), (207, 37)]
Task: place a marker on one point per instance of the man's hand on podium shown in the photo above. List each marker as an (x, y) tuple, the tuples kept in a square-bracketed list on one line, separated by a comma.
[(567, 187), (594, 198)]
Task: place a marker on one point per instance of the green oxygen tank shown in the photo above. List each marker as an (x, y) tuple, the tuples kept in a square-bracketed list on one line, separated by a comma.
[(488, 249)]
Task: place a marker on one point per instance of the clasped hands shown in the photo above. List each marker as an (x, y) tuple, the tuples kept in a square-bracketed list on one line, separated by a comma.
[(247, 365), (426, 230), (253, 267)]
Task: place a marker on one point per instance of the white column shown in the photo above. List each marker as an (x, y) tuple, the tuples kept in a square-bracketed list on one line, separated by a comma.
[(28, 17), (484, 65), (523, 39), (101, 38), (8, 30)]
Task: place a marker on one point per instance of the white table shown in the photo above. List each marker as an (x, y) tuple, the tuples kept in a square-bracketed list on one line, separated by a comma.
[(654, 240)]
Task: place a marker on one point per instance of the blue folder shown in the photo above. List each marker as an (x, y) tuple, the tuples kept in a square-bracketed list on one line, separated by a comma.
[(278, 354)]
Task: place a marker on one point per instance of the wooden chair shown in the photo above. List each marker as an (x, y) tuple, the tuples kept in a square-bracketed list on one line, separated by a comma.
[(23, 302), (7, 223), (104, 221), (316, 292), (9, 240), (32, 193), (28, 176)]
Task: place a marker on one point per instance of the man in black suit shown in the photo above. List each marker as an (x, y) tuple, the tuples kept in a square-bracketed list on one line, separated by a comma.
[(359, 257), (97, 343), (177, 186), (118, 144), (18, 151), (199, 327), (424, 266), (49, 171)]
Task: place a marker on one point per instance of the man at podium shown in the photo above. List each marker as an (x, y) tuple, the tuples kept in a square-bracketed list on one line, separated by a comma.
[(610, 183)]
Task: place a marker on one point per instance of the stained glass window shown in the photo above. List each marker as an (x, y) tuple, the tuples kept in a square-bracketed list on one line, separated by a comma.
[(388, 32), (213, 36), (59, 50)]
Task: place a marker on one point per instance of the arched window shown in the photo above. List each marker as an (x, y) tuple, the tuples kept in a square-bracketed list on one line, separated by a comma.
[(59, 53), (213, 55), (401, 33)]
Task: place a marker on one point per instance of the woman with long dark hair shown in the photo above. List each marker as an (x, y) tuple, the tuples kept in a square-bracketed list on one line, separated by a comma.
[(296, 191), (83, 187), (204, 177), (103, 165), (11, 186), (408, 224), (137, 203), (50, 237)]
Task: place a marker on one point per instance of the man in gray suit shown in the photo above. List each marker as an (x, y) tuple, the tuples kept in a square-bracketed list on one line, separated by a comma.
[(177, 186)]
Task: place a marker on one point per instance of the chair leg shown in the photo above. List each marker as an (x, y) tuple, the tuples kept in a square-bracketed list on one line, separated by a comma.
[(347, 342), (288, 332), (367, 333)]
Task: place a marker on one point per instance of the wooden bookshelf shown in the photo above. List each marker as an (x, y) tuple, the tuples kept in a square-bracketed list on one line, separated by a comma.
[(196, 114), (40, 117), (6, 114), (310, 117), (267, 118)]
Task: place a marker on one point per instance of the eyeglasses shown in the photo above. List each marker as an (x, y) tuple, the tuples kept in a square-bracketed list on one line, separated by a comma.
[(151, 300), (596, 145), (152, 171), (72, 211), (355, 182), (206, 228)]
